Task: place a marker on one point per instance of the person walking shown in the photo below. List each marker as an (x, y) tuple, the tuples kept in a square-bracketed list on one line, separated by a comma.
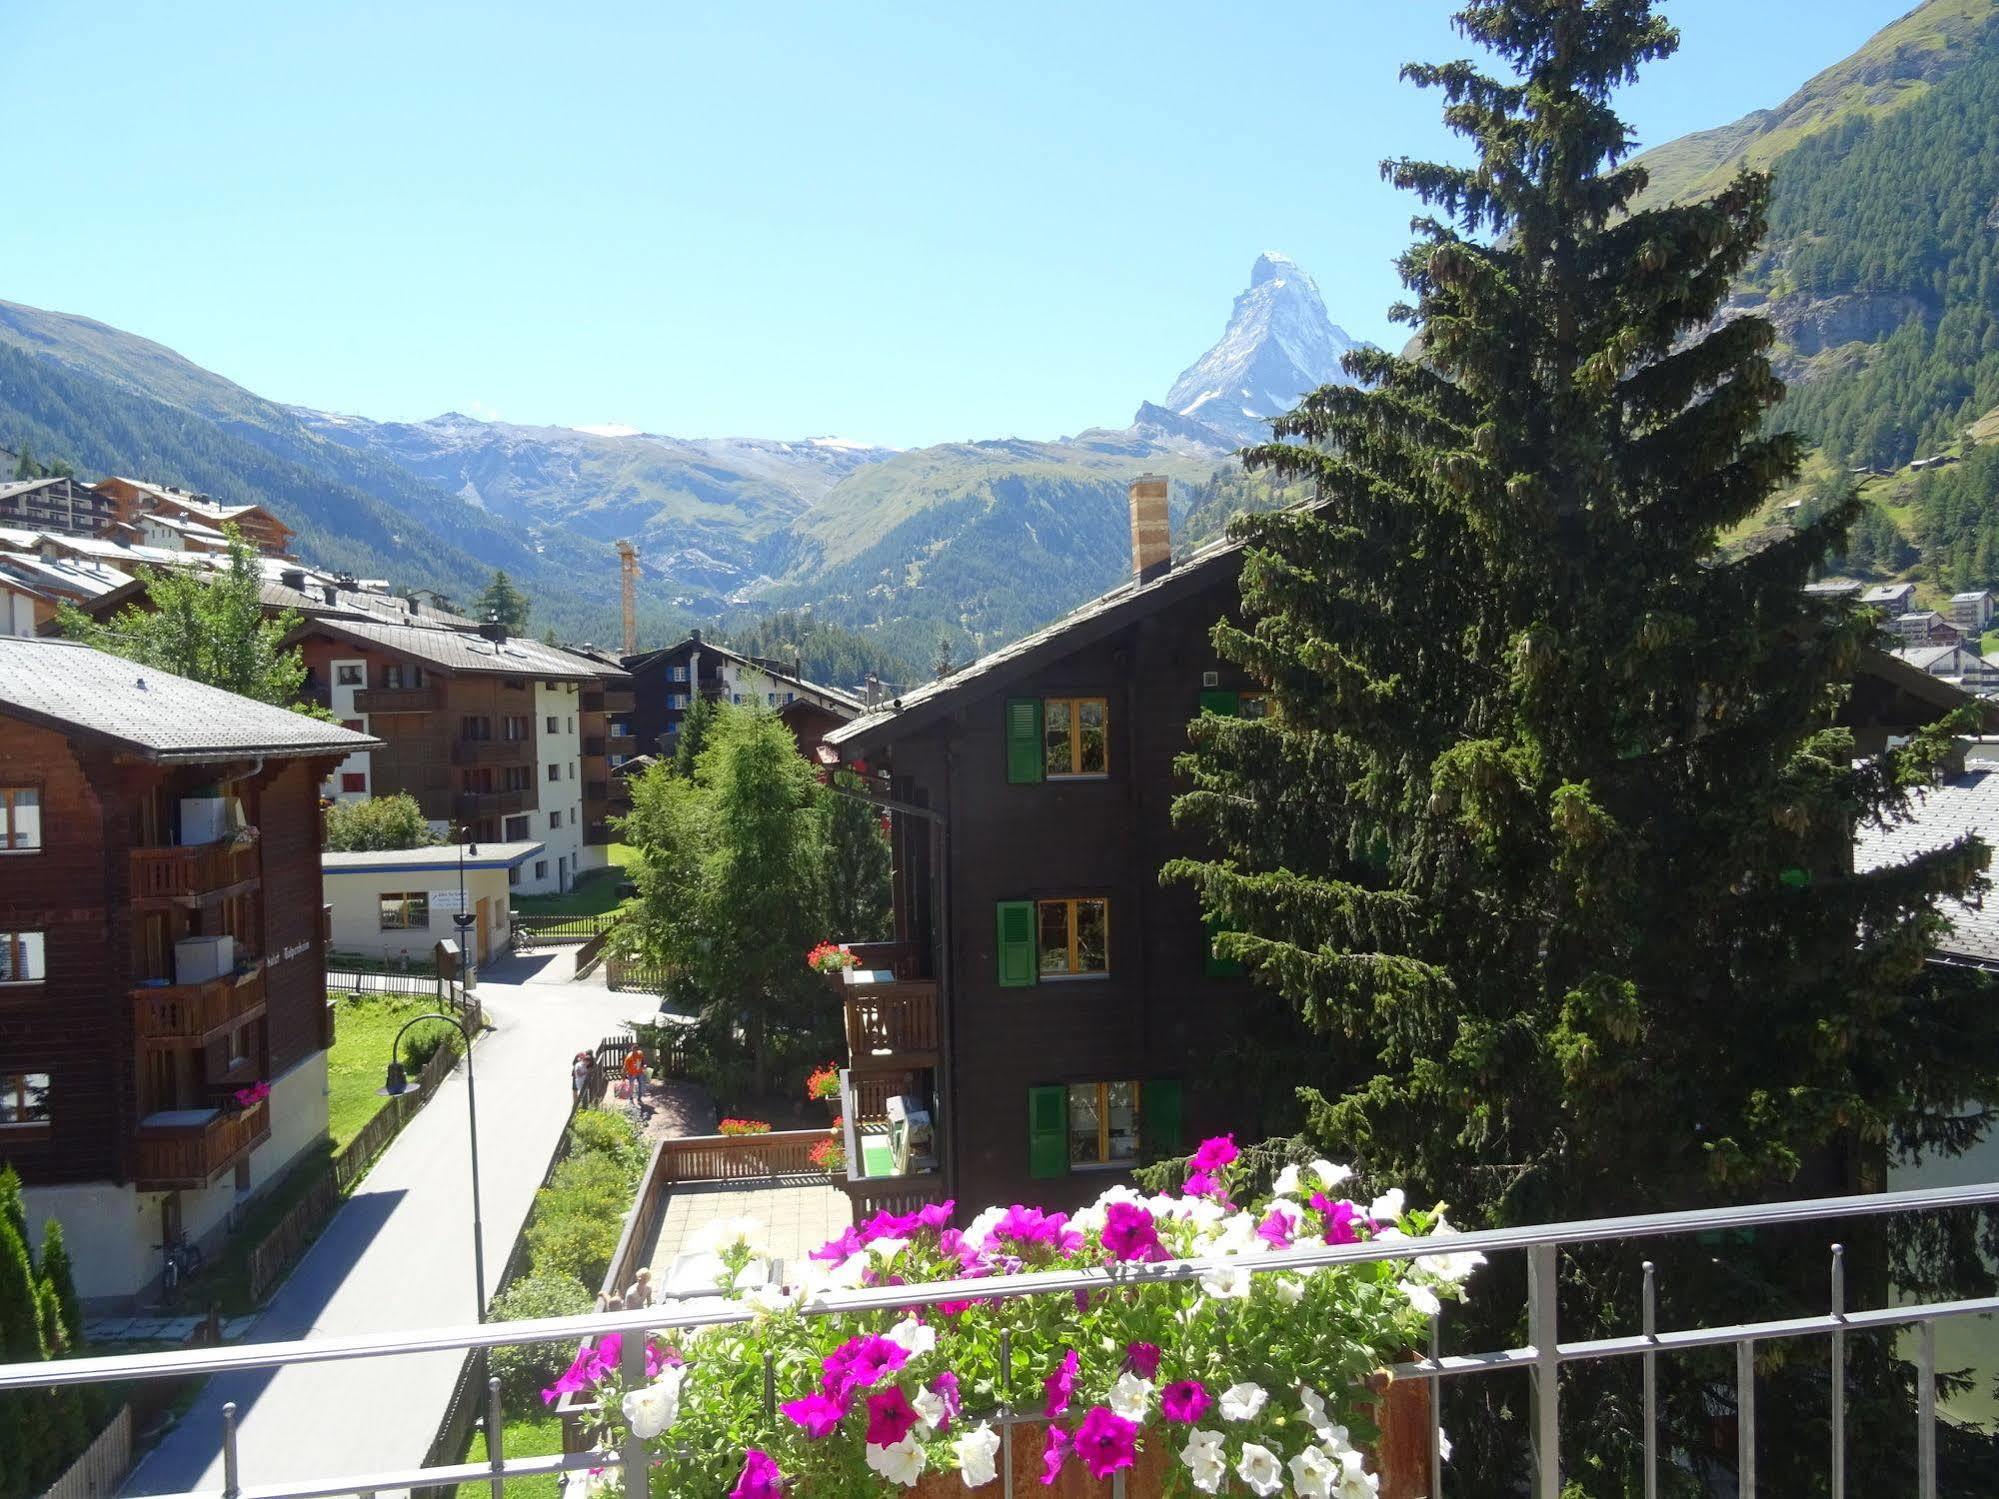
[(579, 1074), (635, 1072)]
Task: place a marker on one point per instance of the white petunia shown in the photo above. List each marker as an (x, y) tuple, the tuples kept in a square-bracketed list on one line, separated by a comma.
[(1289, 1289), (912, 1337), (1387, 1208), (929, 1407), (772, 1299), (1125, 1194), (1443, 1444), (1288, 1181), (888, 1249), (1313, 1408), (1329, 1175), (1313, 1474), (1452, 1269), (1088, 1220), (1205, 1460), (1421, 1297), (901, 1462), (1131, 1397), (1259, 1468), (1355, 1481), (728, 1233), (1238, 1236), (649, 1411), (1334, 1439), (1226, 1282), (975, 1451), (1241, 1402), (977, 1231)]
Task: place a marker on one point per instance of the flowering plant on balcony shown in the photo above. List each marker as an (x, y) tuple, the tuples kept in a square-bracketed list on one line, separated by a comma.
[(1248, 1379), (831, 957), (830, 1154), (824, 1084), (250, 1097), (735, 1127)]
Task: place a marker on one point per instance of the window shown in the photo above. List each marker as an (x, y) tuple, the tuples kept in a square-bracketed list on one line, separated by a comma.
[(392, 676), (572, 725), (770, 699), (353, 780), (475, 726), (676, 700), (406, 912), (553, 724), (514, 683), (350, 674), (1056, 737), (676, 674), (1072, 937), (618, 760), (1073, 738), (554, 821), (513, 874), (517, 829), (20, 819), (555, 772), (1103, 1124), (24, 1099), (572, 770), (21, 958), (516, 727), (541, 869), (1257, 705)]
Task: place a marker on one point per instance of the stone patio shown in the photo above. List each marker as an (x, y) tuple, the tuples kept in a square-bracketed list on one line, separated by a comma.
[(797, 1216)]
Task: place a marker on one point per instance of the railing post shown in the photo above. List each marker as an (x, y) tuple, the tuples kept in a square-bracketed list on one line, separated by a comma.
[(1745, 1419), (1838, 1357), (1543, 1283), (632, 1365), (1926, 1410), (232, 1483), (495, 1457), (1651, 1360), (1436, 1412), (1006, 1411)]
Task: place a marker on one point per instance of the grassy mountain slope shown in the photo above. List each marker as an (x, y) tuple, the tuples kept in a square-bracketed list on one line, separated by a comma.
[(1897, 67)]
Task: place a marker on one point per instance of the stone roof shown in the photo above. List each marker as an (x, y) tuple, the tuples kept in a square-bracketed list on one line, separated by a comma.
[(151, 713), (465, 651), (1963, 804)]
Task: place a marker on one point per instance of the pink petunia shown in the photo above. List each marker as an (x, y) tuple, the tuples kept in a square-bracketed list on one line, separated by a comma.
[(817, 1414), (860, 1364), (1214, 1153), (759, 1479), (936, 1215), (1276, 1229), (1130, 1234), (890, 1417), (946, 1387), (1142, 1359), (1054, 1455), (1031, 1226), (1341, 1219), (1185, 1401), (839, 1251), (1061, 1385), (1106, 1442)]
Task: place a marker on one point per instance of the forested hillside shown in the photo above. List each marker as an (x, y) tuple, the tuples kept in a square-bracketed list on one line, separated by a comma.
[(831, 656)]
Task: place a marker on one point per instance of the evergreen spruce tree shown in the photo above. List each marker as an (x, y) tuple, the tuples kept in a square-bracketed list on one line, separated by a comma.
[(502, 601), (943, 665), (26, 1434), (13, 1205), (695, 726), (1548, 837), (60, 1277), (25, 466), (857, 864)]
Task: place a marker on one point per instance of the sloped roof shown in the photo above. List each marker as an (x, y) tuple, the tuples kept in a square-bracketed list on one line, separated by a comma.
[(154, 714), (464, 651), (431, 856), (1963, 804), (769, 668)]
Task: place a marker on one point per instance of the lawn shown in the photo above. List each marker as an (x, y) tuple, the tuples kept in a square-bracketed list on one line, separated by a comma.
[(356, 1067), (594, 893), (535, 1435)]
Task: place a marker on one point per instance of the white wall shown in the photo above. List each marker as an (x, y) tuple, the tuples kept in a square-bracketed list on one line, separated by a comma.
[(555, 867), (341, 701), (355, 897)]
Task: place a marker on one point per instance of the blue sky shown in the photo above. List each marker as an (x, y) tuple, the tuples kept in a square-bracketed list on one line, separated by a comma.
[(897, 223)]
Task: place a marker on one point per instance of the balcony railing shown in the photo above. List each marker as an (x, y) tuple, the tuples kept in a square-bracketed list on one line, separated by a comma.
[(891, 1022), (492, 752), (194, 1014), (470, 804), (398, 699), (593, 747), (189, 1147), (199, 869), (1542, 1360)]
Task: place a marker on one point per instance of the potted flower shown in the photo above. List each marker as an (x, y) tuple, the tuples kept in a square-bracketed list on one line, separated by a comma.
[(823, 1086), (830, 1154), (833, 960), (736, 1128)]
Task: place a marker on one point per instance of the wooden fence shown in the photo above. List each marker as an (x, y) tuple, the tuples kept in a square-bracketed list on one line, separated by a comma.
[(555, 931), (275, 1253), (381, 981), (633, 976), (102, 1468), (723, 1158)]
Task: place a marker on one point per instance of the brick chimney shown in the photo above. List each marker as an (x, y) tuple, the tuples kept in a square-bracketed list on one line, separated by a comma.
[(1151, 531)]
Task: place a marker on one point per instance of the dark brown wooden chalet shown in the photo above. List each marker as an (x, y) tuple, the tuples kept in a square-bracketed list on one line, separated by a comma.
[(1067, 996), (664, 683), (161, 950)]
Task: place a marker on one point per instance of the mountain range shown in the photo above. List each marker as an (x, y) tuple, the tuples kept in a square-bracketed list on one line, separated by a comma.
[(1880, 273)]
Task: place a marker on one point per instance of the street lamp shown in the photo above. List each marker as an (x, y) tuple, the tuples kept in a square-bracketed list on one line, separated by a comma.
[(398, 1083), (464, 920)]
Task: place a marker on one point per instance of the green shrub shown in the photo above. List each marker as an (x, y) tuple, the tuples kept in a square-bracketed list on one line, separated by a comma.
[(421, 1044), (611, 1135), (578, 1217), (526, 1369)]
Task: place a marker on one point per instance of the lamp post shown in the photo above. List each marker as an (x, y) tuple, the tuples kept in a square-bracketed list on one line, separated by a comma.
[(463, 919), (397, 1084)]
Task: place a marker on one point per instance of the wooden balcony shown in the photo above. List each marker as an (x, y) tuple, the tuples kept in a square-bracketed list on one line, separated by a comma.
[(398, 699), (190, 1147), (179, 1015), (891, 1022), (492, 752), (471, 804), (188, 873)]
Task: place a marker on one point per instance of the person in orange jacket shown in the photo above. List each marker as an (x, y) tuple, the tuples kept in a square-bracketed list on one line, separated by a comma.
[(635, 1070)]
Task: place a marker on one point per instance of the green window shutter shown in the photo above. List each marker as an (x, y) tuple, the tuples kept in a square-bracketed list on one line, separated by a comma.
[(1227, 704), (1218, 967), (1047, 1132), (1023, 740), (1016, 944), (1159, 1120)]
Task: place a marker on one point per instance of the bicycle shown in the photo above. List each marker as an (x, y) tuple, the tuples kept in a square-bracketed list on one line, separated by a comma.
[(183, 1260)]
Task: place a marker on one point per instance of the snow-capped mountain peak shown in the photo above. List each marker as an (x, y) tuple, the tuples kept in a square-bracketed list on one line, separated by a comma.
[(1279, 344)]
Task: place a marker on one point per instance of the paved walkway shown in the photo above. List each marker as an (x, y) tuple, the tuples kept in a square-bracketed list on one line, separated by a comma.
[(399, 1255)]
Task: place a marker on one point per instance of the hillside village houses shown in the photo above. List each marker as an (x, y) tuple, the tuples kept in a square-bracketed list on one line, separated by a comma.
[(163, 1013), (665, 682)]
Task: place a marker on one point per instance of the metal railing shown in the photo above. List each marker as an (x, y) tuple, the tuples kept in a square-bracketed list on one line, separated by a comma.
[(1542, 1359)]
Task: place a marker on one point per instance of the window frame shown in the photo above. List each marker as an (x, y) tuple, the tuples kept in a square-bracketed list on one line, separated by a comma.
[(1072, 704), (1105, 1161), (16, 946), (8, 832), (350, 674), (409, 900), (15, 1083), (1071, 903)]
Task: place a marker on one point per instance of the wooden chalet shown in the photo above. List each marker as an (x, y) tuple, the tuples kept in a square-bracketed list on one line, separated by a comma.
[(129, 499), (664, 683)]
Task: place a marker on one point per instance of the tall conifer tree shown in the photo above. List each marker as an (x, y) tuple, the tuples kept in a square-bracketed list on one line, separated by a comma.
[(1549, 835)]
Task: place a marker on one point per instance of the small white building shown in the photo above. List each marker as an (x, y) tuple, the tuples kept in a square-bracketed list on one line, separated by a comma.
[(399, 903)]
